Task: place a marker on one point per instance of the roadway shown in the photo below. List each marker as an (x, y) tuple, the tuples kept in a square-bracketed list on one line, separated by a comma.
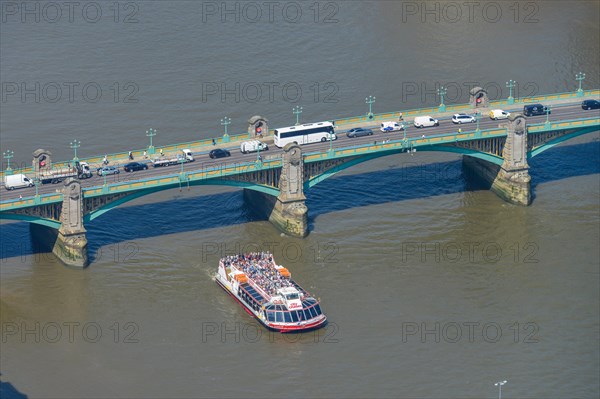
[(203, 162)]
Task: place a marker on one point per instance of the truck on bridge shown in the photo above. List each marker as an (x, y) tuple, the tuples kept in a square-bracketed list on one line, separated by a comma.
[(184, 156), (80, 170)]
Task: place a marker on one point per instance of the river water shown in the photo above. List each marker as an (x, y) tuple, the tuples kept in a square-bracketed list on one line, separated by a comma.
[(434, 287)]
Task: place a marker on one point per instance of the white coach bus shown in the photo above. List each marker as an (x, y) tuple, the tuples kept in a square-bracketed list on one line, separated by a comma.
[(304, 134)]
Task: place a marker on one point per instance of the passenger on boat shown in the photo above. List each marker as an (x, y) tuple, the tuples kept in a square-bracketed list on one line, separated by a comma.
[(259, 267)]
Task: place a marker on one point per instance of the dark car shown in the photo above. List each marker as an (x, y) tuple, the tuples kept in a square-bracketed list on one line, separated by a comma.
[(133, 166), (590, 104), (358, 132), (219, 153), (535, 109)]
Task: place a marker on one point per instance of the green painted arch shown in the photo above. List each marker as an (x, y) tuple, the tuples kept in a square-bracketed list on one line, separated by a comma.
[(111, 205), (235, 183), (329, 173), (141, 193), (31, 219), (558, 140), (466, 151)]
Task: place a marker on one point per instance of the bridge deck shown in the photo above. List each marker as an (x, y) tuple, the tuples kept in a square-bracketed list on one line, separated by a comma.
[(204, 171)]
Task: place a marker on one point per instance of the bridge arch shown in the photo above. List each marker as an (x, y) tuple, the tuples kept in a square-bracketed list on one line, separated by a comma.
[(494, 159), (551, 143), (138, 194), (31, 219)]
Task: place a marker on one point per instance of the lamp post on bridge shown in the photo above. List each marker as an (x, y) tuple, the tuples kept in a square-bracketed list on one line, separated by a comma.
[(297, 110), (331, 141), (477, 118), (370, 100), (226, 121), (548, 110), (580, 77), (75, 144), (8, 154), (510, 84), (499, 385), (151, 133), (442, 92), (258, 158), (36, 182)]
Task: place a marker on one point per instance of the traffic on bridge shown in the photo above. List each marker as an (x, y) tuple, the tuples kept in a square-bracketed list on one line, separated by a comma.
[(202, 161)]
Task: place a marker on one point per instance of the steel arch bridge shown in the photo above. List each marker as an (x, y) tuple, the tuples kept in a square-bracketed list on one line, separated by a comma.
[(264, 176)]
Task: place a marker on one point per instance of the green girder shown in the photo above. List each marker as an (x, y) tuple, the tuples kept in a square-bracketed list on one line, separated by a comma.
[(558, 140), (31, 219)]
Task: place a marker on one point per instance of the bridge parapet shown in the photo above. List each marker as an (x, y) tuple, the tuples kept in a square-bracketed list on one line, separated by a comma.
[(206, 144)]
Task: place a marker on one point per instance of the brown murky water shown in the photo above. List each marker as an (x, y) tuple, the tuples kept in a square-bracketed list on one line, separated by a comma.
[(434, 287)]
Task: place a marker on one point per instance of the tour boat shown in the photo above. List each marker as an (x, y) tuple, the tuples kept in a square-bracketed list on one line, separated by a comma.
[(266, 291)]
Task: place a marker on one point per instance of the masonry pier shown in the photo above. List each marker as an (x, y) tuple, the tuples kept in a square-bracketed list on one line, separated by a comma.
[(288, 211), (71, 242), (511, 180)]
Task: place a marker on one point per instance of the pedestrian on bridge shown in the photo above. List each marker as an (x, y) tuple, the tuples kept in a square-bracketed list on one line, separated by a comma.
[(145, 156), (130, 155), (105, 160)]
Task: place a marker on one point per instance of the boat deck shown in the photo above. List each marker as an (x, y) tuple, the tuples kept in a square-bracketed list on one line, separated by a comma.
[(262, 272)]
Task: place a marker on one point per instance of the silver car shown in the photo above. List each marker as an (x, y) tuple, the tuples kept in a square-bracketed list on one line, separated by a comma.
[(108, 170)]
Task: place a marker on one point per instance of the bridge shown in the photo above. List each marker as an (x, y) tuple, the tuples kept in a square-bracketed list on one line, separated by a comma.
[(275, 182)]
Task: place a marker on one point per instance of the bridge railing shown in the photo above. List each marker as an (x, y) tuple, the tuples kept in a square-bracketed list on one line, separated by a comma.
[(122, 157), (563, 124), (182, 178), (41, 199), (456, 108), (223, 171), (408, 143), (170, 179)]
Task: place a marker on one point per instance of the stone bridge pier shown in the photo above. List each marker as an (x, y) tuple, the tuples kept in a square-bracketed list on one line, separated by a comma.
[(511, 180), (288, 211), (71, 243)]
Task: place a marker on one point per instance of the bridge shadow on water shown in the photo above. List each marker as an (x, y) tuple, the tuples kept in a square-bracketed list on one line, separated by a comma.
[(410, 181), (8, 391), (403, 180)]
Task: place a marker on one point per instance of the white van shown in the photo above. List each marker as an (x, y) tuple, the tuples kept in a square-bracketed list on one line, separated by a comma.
[(391, 126), (496, 114), (17, 181), (253, 146), (425, 121)]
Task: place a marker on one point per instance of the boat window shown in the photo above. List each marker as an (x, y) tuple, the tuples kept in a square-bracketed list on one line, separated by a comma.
[(288, 317), (307, 315), (294, 316), (279, 317), (271, 316), (313, 312), (318, 309), (292, 296), (300, 315)]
